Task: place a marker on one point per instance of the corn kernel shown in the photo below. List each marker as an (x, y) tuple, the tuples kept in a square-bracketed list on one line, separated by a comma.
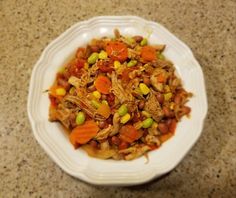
[(138, 48), (130, 40), (167, 96), (86, 66), (138, 125), (72, 90), (146, 114), (105, 102), (97, 94), (90, 96), (172, 105), (125, 118), (167, 88), (102, 55), (154, 125), (117, 64), (144, 89), (60, 91)]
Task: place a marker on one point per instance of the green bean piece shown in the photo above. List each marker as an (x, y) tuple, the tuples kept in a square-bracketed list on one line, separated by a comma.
[(95, 103), (102, 55), (161, 56), (147, 123), (132, 63), (80, 118), (92, 58), (125, 118), (122, 110), (143, 42)]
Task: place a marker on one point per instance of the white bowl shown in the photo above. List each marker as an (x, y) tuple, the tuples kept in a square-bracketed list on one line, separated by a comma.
[(109, 172)]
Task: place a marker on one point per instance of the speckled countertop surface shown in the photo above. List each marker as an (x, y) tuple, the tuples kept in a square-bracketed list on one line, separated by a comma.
[(208, 27)]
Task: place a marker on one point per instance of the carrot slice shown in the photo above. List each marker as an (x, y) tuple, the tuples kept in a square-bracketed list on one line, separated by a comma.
[(117, 51), (74, 141), (148, 53), (129, 134), (103, 84), (104, 110), (83, 133), (105, 66)]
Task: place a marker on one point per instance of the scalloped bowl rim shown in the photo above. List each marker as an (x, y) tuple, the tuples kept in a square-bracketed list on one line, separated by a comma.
[(87, 172)]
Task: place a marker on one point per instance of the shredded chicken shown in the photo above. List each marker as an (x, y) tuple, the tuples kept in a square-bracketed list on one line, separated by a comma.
[(127, 41), (148, 68), (133, 86), (92, 72), (100, 153), (116, 124), (86, 78), (134, 151), (84, 104), (105, 145), (158, 63), (104, 133), (174, 83), (159, 47), (100, 43), (138, 125), (132, 106), (62, 114), (153, 130), (120, 70), (153, 107), (136, 73), (122, 94), (158, 86), (151, 139), (117, 33), (133, 54), (74, 81), (117, 156), (52, 114), (79, 82)]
